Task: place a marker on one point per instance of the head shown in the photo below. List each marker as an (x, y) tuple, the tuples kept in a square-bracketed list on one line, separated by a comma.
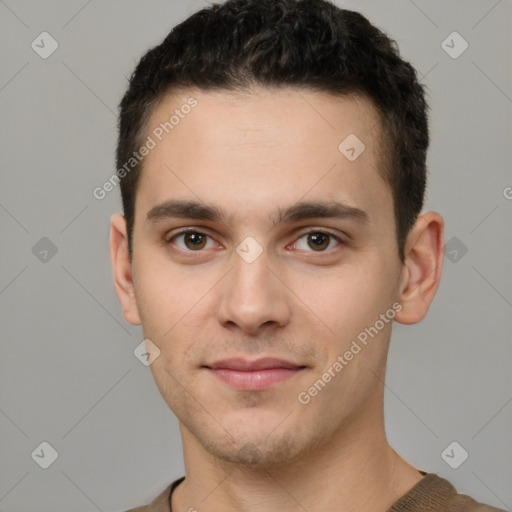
[(307, 45), (289, 138)]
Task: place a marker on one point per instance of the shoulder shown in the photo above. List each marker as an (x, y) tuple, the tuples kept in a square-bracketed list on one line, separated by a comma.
[(463, 503), (159, 504), (435, 494), (162, 502)]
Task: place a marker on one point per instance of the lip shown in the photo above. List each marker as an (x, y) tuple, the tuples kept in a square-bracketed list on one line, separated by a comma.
[(253, 375)]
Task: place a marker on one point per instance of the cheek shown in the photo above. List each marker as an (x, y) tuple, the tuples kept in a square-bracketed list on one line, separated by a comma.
[(153, 301), (173, 304), (164, 292), (350, 298)]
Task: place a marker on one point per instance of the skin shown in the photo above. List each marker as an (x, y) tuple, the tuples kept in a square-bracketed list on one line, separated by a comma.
[(252, 154)]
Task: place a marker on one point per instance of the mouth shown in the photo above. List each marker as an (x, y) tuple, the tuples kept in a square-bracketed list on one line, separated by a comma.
[(254, 375)]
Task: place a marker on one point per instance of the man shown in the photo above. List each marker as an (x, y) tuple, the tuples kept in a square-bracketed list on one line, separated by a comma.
[(271, 160)]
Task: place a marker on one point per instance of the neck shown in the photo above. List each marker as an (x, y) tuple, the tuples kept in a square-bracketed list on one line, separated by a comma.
[(355, 469)]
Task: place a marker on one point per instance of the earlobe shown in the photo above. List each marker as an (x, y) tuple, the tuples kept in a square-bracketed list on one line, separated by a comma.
[(421, 275), (122, 269)]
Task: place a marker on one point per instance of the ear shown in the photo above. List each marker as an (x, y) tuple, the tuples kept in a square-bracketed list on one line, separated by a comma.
[(122, 269), (422, 267)]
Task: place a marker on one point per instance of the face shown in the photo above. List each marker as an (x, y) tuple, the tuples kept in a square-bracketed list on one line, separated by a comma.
[(258, 238)]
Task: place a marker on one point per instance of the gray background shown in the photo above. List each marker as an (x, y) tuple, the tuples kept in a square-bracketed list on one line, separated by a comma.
[(68, 374)]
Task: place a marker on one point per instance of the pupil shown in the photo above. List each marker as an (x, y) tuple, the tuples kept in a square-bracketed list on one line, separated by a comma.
[(319, 240), (195, 240)]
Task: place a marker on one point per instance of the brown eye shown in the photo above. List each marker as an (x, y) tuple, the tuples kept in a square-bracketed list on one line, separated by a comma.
[(194, 240), (316, 241), (189, 241)]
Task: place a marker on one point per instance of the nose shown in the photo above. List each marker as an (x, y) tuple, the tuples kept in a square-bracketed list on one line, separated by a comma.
[(252, 298)]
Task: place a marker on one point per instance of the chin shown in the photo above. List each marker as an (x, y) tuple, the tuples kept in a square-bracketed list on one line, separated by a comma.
[(256, 433), (258, 455), (257, 444)]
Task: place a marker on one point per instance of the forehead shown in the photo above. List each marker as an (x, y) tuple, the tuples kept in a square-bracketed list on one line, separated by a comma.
[(266, 148)]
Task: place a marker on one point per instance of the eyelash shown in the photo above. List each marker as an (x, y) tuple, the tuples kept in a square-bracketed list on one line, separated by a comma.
[(190, 253)]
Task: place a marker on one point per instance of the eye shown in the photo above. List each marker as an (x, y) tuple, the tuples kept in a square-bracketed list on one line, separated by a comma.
[(318, 241), (194, 241), (191, 241)]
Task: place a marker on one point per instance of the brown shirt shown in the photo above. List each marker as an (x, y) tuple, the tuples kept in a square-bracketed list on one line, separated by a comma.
[(430, 494)]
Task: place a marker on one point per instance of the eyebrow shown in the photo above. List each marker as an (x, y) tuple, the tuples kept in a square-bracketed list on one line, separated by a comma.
[(297, 212)]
